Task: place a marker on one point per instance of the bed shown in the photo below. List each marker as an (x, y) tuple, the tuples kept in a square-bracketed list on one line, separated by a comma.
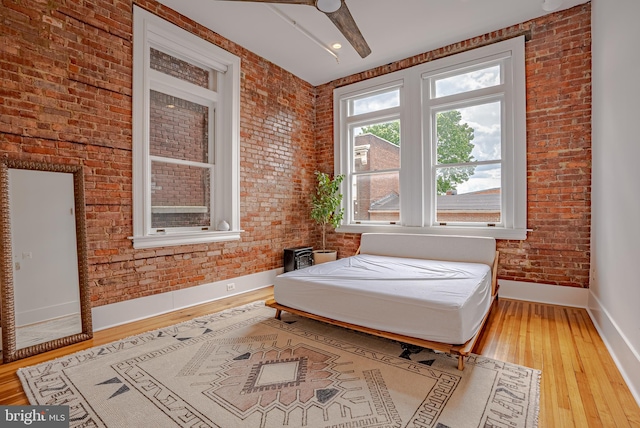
[(429, 291)]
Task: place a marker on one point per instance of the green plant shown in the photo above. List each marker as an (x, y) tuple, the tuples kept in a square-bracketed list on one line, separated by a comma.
[(325, 203)]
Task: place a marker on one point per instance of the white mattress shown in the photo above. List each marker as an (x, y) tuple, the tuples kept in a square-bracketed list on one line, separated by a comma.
[(428, 299)]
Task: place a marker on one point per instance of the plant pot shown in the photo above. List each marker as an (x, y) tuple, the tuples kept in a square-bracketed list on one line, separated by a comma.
[(323, 256)]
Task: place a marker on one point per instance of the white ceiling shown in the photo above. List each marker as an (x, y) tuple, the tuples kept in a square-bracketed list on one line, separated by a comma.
[(394, 29)]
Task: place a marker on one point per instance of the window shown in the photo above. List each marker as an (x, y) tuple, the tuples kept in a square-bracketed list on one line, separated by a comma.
[(374, 145), (439, 148), (185, 137)]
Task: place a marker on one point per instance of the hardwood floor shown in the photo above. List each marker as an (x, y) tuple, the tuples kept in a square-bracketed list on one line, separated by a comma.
[(580, 387)]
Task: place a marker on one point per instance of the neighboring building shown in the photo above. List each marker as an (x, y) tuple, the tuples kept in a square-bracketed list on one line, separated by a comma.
[(373, 153), (482, 206)]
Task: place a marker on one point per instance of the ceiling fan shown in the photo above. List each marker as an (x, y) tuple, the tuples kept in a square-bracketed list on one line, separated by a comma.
[(339, 14)]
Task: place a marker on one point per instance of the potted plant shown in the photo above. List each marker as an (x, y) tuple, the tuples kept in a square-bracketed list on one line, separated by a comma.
[(326, 211)]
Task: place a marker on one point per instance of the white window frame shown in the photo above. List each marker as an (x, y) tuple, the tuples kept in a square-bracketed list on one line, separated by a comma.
[(224, 117), (367, 119), (417, 200)]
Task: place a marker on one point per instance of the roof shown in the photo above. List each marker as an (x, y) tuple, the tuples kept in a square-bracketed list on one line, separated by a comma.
[(472, 201)]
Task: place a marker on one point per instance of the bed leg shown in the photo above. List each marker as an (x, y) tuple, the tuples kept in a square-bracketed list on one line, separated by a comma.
[(278, 313), (460, 362)]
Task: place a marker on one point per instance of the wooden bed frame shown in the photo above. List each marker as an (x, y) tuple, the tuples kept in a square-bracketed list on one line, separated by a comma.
[(460, 350)]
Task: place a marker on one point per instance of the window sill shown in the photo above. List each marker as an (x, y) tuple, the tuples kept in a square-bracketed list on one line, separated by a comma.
[(493, 232), (183, 238)]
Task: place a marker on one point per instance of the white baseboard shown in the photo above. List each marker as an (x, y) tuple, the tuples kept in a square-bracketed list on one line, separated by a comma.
[(136, 309), (544, 293), (625, 356)]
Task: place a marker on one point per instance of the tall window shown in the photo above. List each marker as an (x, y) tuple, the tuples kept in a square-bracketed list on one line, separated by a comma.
[(465, 111), (374, 145), (186, 112), (457, 128)]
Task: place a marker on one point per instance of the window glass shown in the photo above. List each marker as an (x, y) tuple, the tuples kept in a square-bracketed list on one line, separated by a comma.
[(469, 134), (469, 141), (468, 81), (375, 181), (179, 129), (485, 121), (376, 197), (180, 195), (175, 67), (377, 147), (477, 199), (375, 102)]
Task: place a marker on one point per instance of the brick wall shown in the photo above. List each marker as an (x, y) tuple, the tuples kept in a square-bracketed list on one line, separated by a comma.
[(66, 70), (558, 72)]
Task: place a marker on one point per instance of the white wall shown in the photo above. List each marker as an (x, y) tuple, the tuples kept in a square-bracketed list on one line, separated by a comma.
[(614, 301)]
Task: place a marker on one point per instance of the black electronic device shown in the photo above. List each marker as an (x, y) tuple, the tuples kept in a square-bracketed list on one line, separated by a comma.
[(297, 258)]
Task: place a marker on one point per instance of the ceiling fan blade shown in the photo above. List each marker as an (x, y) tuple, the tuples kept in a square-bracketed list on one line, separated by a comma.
[(342, 19), (306, 2)]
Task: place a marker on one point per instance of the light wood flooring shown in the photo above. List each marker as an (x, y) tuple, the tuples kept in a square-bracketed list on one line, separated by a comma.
[(580, 387)]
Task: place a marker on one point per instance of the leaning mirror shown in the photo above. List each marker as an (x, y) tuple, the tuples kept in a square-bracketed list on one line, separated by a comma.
[(43, 273)]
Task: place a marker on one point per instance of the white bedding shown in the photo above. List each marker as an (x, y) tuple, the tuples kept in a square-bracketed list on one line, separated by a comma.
[(441, 301)]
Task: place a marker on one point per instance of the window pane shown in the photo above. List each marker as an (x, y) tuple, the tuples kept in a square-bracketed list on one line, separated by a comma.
[(182, 70), (379, 101), (180, 195), (474, 199), (376, 197), (470, 134), (179, 129), (469, 81), (377, 147)]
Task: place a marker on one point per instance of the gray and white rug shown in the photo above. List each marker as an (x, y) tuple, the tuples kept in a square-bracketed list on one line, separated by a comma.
[(243, 368)]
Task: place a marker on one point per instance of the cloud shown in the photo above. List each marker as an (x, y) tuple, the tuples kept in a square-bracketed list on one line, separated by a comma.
[(376, 102), (469, 81), (485, 177), (487, 130)]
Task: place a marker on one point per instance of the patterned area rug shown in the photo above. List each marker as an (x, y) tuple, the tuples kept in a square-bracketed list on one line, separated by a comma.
[(243, 368)]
